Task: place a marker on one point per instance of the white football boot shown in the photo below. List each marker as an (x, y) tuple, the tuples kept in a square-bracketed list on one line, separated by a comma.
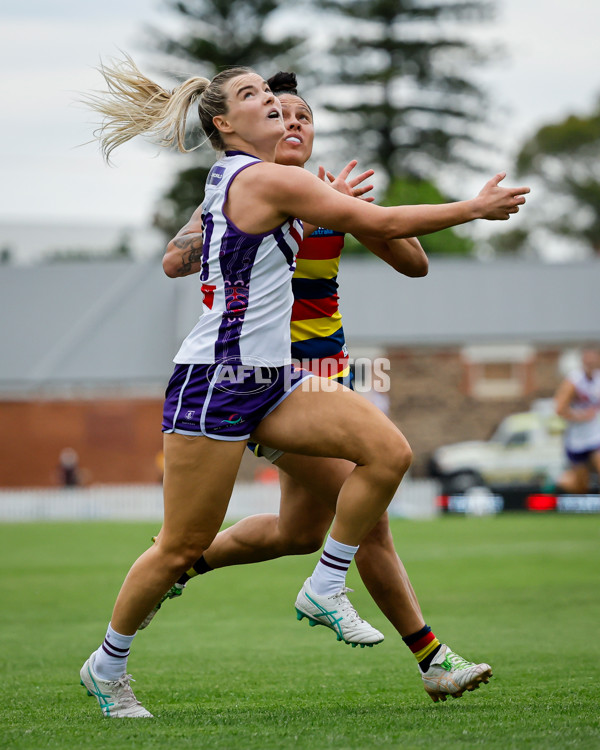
[(336, 612), (115, 697), (450, 674)]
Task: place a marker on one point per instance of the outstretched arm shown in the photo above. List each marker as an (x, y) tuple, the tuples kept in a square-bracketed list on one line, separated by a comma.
[(264, 199), (405, 255), (184, 252)]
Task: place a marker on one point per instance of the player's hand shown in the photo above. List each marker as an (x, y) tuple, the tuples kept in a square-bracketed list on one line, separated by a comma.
[(353, 187), (498, 203)]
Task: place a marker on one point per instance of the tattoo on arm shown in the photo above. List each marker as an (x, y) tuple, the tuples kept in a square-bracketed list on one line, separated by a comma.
[(191, 247)]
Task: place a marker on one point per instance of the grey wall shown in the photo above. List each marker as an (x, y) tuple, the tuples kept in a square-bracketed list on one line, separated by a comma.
[(120, 323), (469, 302)]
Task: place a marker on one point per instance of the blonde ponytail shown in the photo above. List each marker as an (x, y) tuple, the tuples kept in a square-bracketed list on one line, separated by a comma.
[(134, 105)]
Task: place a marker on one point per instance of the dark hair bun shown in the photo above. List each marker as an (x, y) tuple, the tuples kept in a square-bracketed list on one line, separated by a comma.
[(282, 83)]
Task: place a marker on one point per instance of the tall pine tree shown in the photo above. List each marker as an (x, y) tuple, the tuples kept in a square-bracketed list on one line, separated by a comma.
[(400, 88)]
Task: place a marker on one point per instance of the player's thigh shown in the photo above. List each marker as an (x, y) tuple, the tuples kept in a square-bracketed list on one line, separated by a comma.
[(199, 476), (309, 489), (326, 419)]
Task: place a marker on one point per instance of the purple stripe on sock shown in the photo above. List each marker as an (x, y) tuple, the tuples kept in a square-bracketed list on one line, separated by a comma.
[(331, 565), (116, 656), (114, 648), (337, 559)]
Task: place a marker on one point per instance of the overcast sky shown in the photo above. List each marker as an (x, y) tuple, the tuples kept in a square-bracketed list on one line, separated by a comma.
[(48, 51)]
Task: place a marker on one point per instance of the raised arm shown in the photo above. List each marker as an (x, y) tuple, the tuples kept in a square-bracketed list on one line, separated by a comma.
[(184, 252), (261, 200)]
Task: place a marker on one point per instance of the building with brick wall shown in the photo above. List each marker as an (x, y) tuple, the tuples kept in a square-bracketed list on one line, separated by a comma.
[(86, 351)]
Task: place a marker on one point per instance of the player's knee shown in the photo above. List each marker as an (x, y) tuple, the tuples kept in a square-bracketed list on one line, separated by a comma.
[(303, 542), (181, 556), (395, 458)]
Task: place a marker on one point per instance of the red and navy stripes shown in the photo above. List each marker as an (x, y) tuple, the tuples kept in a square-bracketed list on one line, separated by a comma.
[(424, 646)]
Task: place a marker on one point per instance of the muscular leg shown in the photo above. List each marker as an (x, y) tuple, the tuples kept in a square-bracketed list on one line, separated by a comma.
[(309, 490), (386, 579), (342, 424), (199, 477)]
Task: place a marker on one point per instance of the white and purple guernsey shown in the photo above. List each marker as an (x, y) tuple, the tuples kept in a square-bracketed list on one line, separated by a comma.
[(584, 436), (246, 282)]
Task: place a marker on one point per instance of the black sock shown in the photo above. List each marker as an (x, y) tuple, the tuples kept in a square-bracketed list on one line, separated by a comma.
[(198, 568)]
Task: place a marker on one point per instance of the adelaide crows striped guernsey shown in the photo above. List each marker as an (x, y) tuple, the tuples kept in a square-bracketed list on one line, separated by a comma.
[(317, 332), (247, 295)]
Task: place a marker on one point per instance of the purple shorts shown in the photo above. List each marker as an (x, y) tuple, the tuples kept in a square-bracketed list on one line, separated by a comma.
[(581, 457), (225, 402)]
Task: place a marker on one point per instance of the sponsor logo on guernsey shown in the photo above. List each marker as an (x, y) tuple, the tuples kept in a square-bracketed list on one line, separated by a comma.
[(321, 232), (216, 175)]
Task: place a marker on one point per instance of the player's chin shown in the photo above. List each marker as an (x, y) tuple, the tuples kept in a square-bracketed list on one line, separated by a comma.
[(292, 157)]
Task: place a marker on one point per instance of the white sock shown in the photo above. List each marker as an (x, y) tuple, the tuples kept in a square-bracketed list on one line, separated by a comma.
[(329, 576), (111, 658)]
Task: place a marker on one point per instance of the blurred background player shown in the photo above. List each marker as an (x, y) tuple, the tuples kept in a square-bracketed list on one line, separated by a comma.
[(578, 401), (310, 485)]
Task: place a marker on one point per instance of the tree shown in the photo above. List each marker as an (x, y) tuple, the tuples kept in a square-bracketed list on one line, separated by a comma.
[(218, 34), (564, 155), (401, 94)]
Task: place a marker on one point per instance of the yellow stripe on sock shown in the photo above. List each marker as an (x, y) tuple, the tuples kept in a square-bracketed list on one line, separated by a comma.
[(420, 655)]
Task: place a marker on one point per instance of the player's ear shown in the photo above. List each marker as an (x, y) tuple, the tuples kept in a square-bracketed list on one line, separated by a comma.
[(222, 124)]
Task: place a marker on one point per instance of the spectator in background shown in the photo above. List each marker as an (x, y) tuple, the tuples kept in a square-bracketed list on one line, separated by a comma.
[(68, 468), (578, 401)]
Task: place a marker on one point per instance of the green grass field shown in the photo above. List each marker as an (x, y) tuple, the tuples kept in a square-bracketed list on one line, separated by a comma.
[(228, 666)]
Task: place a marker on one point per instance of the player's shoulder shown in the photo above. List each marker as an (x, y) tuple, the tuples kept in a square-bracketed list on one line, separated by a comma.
[(268, 177)]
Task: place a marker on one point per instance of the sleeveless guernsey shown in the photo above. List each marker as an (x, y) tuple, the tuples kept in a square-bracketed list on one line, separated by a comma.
[(246, 282), (583, 436)]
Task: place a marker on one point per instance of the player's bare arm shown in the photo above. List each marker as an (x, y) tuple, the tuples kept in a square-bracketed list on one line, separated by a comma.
[(406, 255), (184, 252), (565, 395), (279, 191)]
